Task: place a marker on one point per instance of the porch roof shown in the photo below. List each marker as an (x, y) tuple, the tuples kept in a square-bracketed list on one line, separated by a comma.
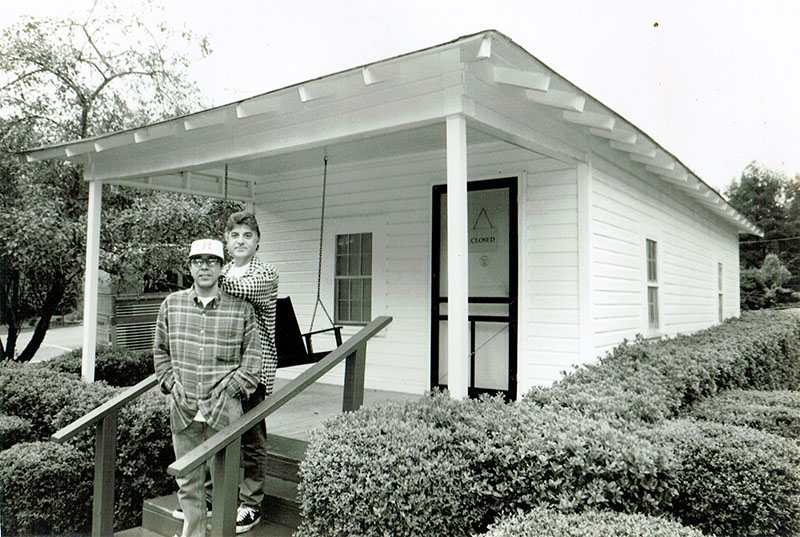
[(390, 107)]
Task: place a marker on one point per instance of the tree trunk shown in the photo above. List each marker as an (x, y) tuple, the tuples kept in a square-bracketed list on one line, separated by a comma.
[(9, 297), (54, 296)]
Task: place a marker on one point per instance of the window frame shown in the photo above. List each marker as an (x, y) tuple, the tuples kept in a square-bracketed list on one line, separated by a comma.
[(652, 285), (339, 279), (334, 226), (720, 292)]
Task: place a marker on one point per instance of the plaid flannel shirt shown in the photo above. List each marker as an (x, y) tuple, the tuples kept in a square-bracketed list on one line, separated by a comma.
[(206, 357), (259, 286)]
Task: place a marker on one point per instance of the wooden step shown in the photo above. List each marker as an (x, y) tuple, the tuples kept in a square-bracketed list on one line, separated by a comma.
[(280, 507)]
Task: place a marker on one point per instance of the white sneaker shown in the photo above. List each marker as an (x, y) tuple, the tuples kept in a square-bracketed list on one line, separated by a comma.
[(246, 518), (178, 513)]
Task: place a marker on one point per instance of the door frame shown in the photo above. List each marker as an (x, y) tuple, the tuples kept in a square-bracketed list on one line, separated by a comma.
[(510, 182)]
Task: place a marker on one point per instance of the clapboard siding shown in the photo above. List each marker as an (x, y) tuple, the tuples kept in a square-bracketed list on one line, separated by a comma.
[(398, 192), (624, 213), (550, 321)]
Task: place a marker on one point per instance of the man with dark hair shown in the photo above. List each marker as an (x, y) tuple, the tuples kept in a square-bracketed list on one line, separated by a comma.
[(207, 357), (256, 282)]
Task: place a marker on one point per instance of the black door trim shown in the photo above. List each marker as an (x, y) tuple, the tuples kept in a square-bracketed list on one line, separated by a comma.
[(511, 300)]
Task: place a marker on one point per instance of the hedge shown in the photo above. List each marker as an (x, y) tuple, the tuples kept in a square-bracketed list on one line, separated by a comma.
[(50, 400), (115, 366), (449, 467), (733, 480), (13, 430), (776, 412), (47, 489), (543, 522), (650, 381)]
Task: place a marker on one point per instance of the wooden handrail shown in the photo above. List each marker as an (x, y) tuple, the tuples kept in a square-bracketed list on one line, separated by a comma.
[(234, 431), (104, 418), (98, 414)]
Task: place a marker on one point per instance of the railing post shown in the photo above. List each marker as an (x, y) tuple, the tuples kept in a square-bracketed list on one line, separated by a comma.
[(226, 490), (104, 466), (354, 379)]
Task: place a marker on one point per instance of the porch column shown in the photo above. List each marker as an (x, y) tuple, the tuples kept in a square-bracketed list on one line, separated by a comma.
[(91, 275), (457, 283)]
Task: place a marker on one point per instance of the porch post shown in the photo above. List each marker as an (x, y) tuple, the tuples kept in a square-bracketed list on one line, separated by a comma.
[(457, 283), (91, 275)]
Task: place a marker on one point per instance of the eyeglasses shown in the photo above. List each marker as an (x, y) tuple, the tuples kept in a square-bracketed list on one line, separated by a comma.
[(208, 261)]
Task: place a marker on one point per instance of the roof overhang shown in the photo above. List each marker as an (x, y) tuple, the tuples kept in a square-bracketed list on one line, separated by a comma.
[(391, 107)]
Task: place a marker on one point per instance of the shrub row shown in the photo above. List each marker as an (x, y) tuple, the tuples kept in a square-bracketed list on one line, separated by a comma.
[(651, 381), (604, 437), (543, 522), (114, 366), (49, 400), (447, 467), (776, 412), (733, 480)]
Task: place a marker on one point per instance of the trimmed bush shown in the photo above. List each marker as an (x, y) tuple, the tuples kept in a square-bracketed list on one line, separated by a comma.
[(47, 489), (543, 522), (114, 366), (51, 400), (47, 399), (649, 381), (775, 412), (449, 467), (14, 430), (734, 480)]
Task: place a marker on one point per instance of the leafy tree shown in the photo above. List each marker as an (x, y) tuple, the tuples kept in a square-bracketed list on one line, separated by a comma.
[(764, 287), (771, 201), (61, 79), (760, 195)]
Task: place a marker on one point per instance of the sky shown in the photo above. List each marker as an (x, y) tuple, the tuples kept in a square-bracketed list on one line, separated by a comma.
[(714, 82)]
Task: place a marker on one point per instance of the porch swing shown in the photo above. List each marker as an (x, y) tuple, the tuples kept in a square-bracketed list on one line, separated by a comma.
[(292, 346)]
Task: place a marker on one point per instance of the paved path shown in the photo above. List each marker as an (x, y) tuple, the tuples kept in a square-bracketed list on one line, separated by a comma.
[(57, 341)]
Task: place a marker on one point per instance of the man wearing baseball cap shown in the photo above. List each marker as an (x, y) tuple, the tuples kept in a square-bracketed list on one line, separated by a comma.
[(207, 357)]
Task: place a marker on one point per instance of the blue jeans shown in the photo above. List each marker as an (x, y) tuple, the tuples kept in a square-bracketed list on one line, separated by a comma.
[(192, 488), (254, 456)]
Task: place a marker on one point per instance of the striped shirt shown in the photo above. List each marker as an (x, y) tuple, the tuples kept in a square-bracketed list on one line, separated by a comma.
[(207, 357), (258, 286)]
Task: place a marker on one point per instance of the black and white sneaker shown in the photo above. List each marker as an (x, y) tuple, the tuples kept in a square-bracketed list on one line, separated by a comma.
[(246, 518), (178, 513)]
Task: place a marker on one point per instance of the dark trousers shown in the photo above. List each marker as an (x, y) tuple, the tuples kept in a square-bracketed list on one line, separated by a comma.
[(254, 455)]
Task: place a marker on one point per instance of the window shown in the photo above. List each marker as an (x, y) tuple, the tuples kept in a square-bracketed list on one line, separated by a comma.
[(353, 279), (720, 301), (652, 284)]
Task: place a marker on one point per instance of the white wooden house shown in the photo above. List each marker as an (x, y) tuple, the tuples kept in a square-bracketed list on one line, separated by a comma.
[(511, 224)]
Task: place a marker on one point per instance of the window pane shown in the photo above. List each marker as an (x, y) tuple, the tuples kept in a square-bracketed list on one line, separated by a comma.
[(651, 261), (355, 290), (341, 265), (366, 264), (341, 244), (355, 311), (652, 306)]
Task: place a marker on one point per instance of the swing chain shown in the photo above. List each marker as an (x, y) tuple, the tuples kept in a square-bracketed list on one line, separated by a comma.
[(318, 301)]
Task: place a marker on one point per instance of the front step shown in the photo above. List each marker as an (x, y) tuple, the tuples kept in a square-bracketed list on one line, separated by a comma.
[(280, 510)]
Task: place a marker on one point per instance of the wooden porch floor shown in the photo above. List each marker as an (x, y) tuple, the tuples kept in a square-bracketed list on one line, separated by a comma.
[(318, 402)]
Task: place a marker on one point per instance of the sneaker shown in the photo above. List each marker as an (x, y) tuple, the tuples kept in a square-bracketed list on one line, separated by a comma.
[(246, 518), (178, 513)]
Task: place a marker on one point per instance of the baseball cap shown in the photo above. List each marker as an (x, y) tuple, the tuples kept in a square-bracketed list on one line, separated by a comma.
[(207, 247)]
